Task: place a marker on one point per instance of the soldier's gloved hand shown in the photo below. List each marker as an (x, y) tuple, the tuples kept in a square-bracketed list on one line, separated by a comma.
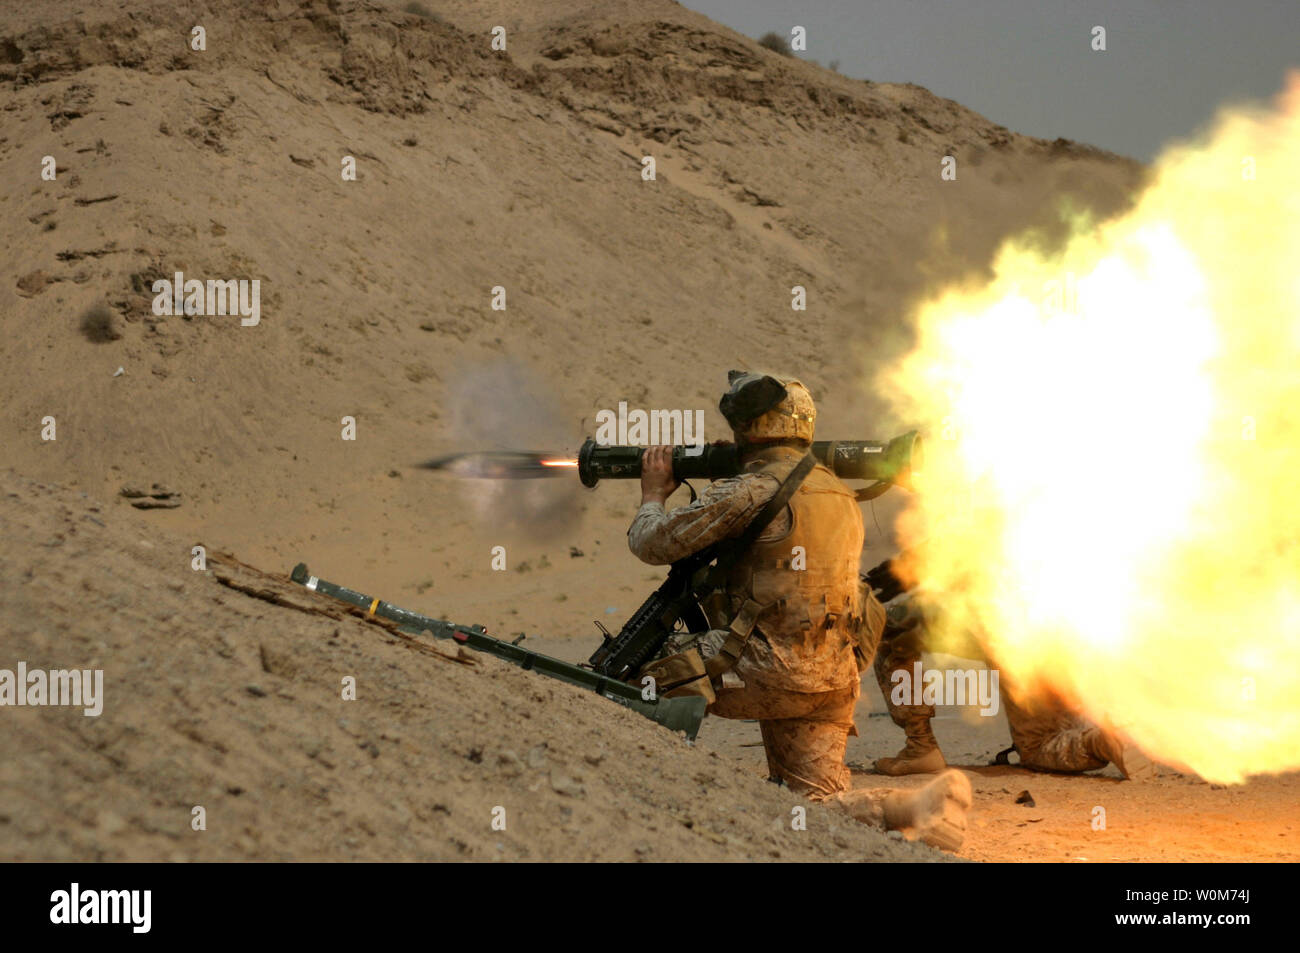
[(657, 483)]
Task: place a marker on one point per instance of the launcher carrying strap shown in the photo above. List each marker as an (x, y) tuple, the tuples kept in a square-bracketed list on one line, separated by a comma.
[(775, 505), (743, 624), (869, 493)]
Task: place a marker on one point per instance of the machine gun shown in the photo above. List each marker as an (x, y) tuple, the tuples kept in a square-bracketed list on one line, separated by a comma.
[(675, 601)]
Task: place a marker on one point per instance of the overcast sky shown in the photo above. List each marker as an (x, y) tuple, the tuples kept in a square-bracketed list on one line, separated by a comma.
[(1029, 65)]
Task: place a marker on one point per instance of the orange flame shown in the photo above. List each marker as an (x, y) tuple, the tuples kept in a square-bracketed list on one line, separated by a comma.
[(1113, 497)]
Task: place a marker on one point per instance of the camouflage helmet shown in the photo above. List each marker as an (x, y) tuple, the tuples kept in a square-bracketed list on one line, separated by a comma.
[(762, 408)]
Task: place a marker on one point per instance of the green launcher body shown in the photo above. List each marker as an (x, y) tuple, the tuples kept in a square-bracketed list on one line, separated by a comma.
[(676, 714), (889, 461)]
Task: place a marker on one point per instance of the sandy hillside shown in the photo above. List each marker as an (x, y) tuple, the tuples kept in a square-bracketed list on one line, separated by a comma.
[(220, 699), (219, 695), (475, 169)]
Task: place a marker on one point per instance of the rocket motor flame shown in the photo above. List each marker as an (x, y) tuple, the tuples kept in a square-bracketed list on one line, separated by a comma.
[(1113, 498), (502, 464)]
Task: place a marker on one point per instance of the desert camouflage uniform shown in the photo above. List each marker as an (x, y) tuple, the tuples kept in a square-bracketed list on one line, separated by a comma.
[(1048, 734), (898, 650), (798, 669)]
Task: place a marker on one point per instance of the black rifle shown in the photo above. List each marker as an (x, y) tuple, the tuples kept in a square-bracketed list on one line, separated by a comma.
[(622, 656), (884, 580)]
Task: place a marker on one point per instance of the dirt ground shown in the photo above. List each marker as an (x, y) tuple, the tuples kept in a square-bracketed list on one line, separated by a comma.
[(221, 699), (1172, 817), (225, 701), (476, 169)]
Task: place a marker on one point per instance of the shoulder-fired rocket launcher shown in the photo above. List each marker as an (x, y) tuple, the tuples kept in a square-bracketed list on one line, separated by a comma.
[(883, 463), (886, 462), (675, 602)]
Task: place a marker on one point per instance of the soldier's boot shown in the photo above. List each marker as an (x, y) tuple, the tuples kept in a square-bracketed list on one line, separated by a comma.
[(921, 754), (1119, 751)]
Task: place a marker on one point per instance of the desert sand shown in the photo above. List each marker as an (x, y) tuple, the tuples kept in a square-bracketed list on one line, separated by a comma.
[(475, 169)]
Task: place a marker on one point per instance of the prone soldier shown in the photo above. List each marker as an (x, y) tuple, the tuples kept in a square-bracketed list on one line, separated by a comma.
[(1047, 732)]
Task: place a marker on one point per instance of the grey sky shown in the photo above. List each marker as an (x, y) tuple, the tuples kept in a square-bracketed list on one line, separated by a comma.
[(1028, 64)]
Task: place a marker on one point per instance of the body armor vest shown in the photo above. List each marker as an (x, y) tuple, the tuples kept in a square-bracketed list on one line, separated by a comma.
[(804, 585)]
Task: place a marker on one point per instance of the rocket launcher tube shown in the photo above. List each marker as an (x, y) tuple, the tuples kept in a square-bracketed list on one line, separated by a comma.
[(883, 462), (676, 714)]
